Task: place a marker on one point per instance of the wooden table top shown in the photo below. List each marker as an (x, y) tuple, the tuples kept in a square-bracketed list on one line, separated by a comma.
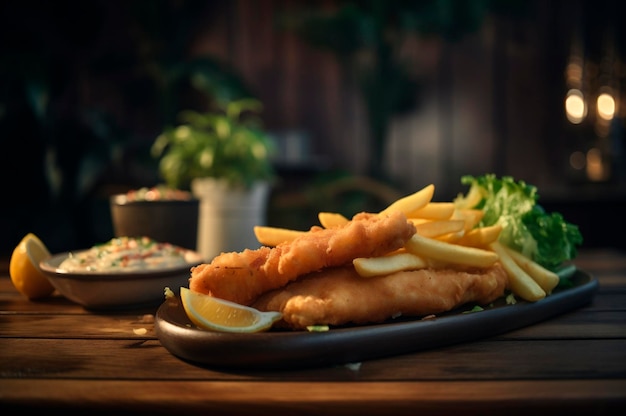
[(56, 355)]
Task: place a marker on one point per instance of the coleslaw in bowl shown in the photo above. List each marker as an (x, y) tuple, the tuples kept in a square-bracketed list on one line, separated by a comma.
[(124, 272)]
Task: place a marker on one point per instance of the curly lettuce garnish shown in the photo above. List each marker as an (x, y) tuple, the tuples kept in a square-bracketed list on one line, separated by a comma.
[(546, 238)]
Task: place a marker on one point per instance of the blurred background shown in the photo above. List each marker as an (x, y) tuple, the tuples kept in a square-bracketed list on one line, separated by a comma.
[(366, 101)]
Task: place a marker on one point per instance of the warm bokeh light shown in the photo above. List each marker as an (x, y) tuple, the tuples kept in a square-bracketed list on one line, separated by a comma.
[(605, 106), (596, 168), (577, 160), (574, 72), (575, 106)]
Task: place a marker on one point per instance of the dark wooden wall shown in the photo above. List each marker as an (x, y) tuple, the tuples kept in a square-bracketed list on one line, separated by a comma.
[(492, 102)]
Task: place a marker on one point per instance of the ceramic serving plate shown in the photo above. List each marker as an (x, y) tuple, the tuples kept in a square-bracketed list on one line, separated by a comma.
[(100, 290), (287, 349)]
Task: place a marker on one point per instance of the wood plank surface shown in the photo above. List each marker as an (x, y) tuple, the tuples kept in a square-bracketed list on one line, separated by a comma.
[(578, 397), (483, 360), (586, 322), (54, 354)]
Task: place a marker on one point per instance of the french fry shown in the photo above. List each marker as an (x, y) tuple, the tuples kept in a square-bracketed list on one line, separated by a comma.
[(331, 219), (432, 229), (411, 202), (273, 236), (380, 266), (470, 200), (471, 216), (521, 283), (418, 221), (434, 211), (546, 279), (481, 236), (450, 253)]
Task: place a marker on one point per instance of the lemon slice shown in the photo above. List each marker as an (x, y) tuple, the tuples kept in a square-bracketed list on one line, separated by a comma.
[(24, 269), (217, 314)]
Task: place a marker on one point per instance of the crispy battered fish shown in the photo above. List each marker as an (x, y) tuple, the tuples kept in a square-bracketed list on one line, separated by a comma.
[(243, 276), (339, 296)]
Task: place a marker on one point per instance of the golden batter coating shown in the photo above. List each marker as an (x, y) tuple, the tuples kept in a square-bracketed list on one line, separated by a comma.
[(339, 296), (242, 277)]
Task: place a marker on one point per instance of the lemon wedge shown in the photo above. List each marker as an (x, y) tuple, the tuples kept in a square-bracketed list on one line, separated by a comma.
[(24, 269), (217, 314)]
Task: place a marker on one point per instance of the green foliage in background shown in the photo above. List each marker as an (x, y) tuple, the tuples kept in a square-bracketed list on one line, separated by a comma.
[(230, 144), (367, 37), (84, 89)]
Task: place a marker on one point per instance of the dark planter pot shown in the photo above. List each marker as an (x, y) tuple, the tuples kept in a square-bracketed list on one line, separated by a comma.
[(168, 221)]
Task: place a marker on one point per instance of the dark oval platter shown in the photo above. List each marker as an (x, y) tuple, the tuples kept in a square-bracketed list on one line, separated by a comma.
[(277, 349)]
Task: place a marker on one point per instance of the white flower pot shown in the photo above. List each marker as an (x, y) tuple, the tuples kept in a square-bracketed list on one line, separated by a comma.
[(227, 216)]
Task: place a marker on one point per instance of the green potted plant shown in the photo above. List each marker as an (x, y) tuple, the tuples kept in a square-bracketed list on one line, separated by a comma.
[(224, 158)]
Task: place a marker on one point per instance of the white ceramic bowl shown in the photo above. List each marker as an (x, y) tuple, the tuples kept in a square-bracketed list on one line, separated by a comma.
[(133, 289)]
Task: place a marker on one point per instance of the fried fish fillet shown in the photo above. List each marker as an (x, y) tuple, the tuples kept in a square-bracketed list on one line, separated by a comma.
[(243, 276), (339, 296)]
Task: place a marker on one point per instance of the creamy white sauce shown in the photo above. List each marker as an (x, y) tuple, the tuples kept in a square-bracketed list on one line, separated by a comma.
[(124, 254)]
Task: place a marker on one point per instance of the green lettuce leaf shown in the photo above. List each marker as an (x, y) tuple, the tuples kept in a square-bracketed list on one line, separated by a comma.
[(546, 238)]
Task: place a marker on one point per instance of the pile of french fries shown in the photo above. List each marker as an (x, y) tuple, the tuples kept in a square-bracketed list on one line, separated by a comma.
[(446, 235)]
